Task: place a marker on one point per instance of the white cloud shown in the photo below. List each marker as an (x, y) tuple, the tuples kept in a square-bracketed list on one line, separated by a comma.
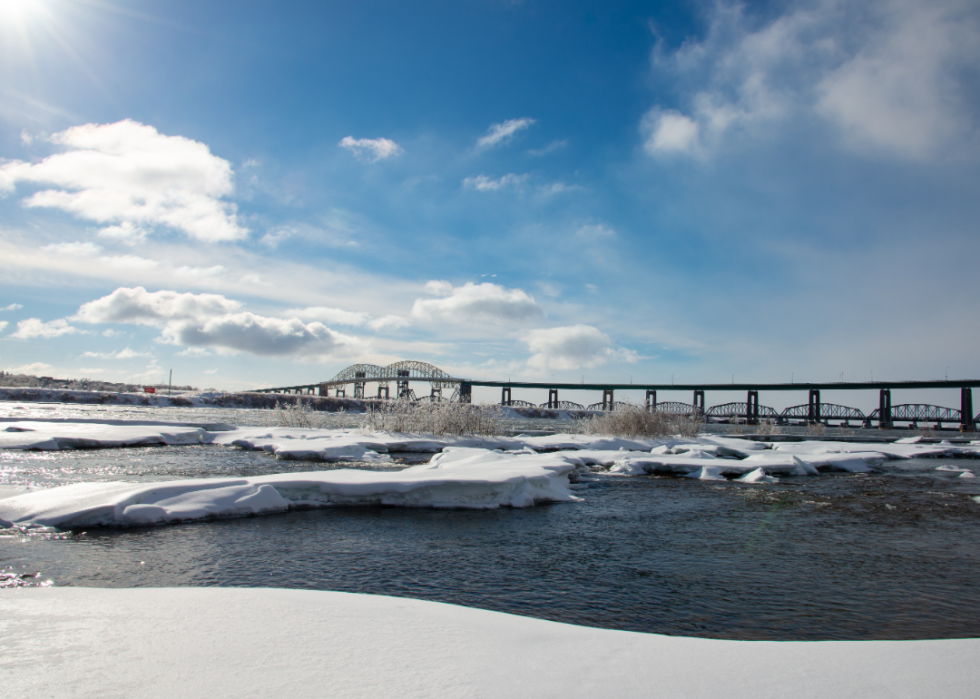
[(200, 272), (891, 75), (339, 316), (141, 307), (480, 303), (125, 353), (328, 315), (438, 287), (572, 347), (131, 176), (550, 289), (211, 321), (482, 183), (503, 132), (557, 188), (3, 324), (550, 148), (126, 232), (595, 232), (389, 323), (273, 238), (32, 369), (669, 131), (269, 337), (129, 262), (12, 307), (82, 249), (371, 150), (34, 327), (902, 91)]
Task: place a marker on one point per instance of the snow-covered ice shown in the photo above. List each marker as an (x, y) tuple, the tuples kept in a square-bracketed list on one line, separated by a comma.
[(50, 435), (218, 643), (465, 472), (474, 478)]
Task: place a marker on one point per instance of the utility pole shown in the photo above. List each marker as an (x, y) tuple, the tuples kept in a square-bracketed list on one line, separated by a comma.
[(170, 384)]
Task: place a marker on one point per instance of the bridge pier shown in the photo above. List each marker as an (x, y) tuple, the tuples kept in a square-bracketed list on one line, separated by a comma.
[(885, 409), (813, 413), (752, 408), (698, 402), (505, 398), (466, 393), (435, 394), (607, 399), (324, 390), (402, 385), (651, 401), (382, 392), (553, 398), (341, 393), (967, 422)]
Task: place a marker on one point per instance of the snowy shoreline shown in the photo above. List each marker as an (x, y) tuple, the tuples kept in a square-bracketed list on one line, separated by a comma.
[(246, 642)]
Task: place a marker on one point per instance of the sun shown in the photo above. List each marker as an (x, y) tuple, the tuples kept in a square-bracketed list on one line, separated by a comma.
[(26, 27), (21, 11)]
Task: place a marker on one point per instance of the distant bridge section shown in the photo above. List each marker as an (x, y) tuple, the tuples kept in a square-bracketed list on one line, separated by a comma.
[(402, 374)]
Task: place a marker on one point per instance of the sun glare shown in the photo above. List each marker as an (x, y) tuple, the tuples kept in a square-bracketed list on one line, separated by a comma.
[(20, 11)]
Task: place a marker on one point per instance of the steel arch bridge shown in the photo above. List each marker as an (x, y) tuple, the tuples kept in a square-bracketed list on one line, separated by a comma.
[(915, 412), (399, 371), (736, 410), (827, 411)]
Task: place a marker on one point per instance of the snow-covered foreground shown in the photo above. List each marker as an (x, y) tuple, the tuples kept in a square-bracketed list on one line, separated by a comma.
[(469, 472), (223, 642)]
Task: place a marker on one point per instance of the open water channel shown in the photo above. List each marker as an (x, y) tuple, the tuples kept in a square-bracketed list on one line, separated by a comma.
[(888, 555)]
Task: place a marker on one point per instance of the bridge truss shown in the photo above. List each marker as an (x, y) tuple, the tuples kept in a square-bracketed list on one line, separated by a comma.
[(741, 410), (823, 411), (916, 412), (563, 405)]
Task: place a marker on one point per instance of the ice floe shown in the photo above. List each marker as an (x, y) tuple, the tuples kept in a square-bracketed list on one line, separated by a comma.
[(56, 435), (473, 478)]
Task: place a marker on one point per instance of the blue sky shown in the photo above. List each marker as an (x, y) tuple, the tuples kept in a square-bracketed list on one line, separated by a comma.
[(260, 194)]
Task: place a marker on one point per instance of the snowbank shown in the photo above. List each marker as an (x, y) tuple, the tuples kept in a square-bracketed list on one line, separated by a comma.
[(215, 643)]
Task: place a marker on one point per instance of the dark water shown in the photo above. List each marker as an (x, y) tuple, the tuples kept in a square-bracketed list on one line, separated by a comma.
[(892, 555)]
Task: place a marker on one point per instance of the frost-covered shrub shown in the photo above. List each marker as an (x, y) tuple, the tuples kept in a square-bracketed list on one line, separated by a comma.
[(629, 420), (816, 429), (433, 418), (298, 414)]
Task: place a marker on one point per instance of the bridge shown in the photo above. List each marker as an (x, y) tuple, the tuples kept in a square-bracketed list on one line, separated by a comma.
[(403, 373)]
